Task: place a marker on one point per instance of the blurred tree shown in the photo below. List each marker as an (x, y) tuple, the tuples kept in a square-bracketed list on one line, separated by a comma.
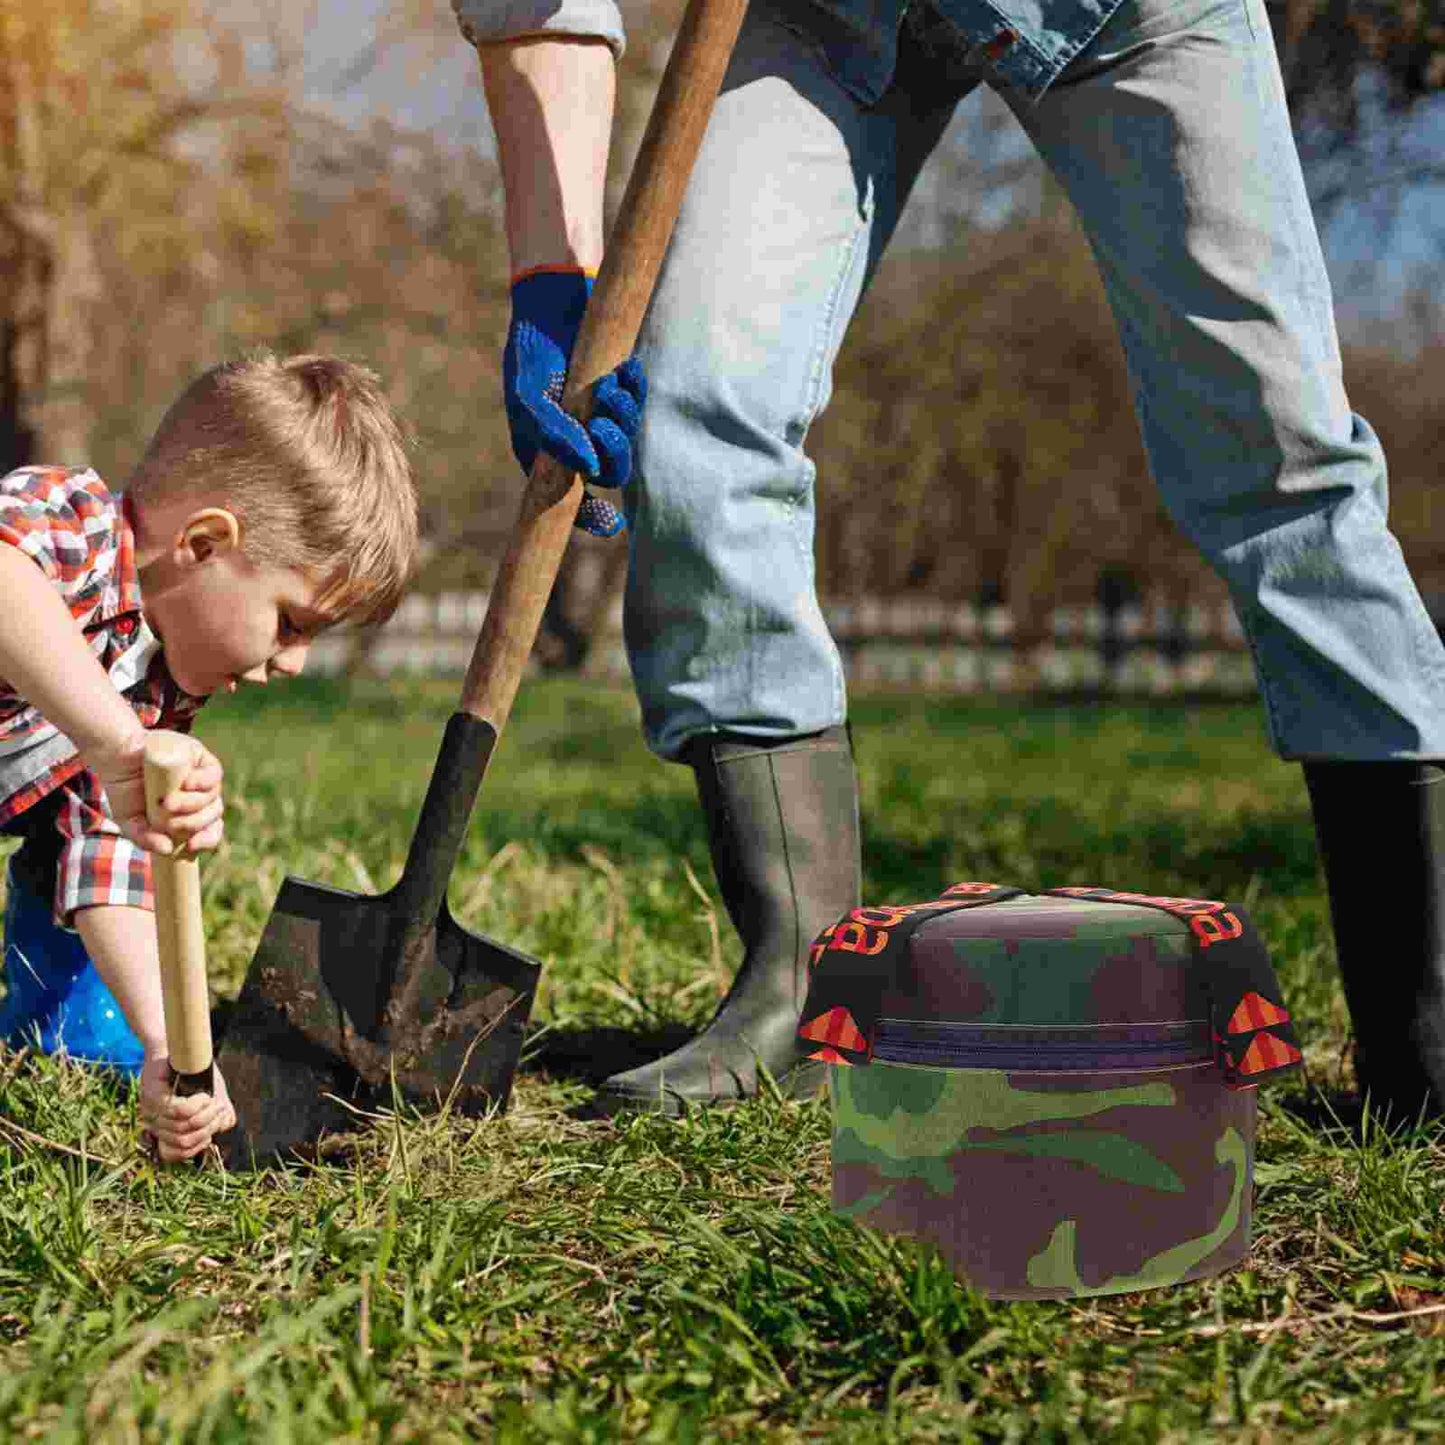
[(1364, 80), (1327, 46), (385, 248), (138, 122)]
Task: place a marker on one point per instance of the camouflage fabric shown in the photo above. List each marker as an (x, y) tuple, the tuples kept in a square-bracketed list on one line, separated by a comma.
[(1039, 1186), (1105, 1155)]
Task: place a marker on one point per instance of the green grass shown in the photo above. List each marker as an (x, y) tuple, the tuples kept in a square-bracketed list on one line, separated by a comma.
[(539, 1278)]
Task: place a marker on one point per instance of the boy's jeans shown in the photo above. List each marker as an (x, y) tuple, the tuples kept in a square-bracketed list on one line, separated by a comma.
[(54, 998), (1169, 132)]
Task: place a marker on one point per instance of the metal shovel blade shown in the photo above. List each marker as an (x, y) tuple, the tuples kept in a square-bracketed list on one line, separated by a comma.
[(349, 995)]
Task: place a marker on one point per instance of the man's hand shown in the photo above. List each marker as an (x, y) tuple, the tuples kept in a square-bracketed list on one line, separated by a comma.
[(190, 816), (547, 309), (181, 1127)]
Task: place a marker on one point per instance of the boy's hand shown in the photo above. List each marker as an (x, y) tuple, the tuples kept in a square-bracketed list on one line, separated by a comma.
[(181, 1128), (191, 815)]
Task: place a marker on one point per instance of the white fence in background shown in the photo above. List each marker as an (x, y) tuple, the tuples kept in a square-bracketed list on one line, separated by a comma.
[(893, 643)]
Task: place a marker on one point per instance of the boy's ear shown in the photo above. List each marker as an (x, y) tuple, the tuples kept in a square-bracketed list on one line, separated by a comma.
[(207, 531)]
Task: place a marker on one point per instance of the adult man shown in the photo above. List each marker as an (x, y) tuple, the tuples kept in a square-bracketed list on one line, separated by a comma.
[(1166, 125)]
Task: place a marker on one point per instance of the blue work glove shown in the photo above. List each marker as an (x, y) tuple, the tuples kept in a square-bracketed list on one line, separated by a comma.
[(547, 309)]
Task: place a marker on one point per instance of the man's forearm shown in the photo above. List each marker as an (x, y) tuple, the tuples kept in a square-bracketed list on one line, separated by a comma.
[(44, 657), (551, 106), (121, 941)]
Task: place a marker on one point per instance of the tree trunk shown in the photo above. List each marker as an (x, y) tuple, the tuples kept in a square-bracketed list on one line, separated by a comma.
[(72, 290), (46, 330), (16, 437), (22, 264)]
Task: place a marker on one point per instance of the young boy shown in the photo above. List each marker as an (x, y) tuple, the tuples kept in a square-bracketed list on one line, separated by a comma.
[(274, 500)]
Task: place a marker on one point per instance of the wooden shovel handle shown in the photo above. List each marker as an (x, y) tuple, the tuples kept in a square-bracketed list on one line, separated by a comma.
[(608, 334), (179, 929)]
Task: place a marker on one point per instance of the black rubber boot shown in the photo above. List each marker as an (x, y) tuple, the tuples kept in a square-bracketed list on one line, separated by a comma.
[(1381, 832), (783, 833)]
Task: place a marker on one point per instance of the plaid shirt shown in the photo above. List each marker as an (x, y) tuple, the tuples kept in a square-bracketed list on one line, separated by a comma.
[(80, 535)]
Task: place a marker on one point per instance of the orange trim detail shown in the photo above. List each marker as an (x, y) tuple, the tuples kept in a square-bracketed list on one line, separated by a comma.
[(553, 271), (1254, 1011), (1267, 1052), (836, 1028)]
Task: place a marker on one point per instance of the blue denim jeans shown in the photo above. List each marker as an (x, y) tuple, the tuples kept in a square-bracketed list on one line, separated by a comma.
[(1167, 128)]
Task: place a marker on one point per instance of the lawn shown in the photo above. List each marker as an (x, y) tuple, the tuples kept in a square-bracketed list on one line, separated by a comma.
[(540, 1277)]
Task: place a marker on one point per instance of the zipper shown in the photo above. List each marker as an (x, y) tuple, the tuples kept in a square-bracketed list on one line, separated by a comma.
[(1044, 1048)]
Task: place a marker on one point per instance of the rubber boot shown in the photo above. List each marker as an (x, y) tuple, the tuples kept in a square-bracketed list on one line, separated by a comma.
[(1381, 832), (782, 824), (55, 1000)]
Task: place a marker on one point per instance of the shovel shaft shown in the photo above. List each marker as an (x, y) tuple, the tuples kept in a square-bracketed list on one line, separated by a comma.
[(441, 827), (608, 334), (180, 934)]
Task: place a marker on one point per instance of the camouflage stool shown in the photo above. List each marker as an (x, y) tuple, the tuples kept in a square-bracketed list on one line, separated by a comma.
[(1057, 1089)]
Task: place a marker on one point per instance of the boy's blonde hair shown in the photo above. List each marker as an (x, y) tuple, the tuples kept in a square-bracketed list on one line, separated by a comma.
[(308, 454)]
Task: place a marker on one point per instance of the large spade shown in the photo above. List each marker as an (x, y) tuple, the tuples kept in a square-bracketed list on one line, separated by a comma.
[(349, 998)]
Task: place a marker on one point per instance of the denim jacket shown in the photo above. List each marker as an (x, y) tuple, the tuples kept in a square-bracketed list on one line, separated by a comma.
[(1023, 43)]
